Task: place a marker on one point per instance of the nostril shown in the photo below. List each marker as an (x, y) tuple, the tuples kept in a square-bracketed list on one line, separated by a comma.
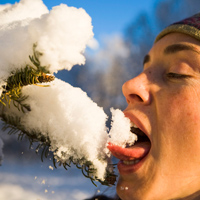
[(136, 97), (137, 90)]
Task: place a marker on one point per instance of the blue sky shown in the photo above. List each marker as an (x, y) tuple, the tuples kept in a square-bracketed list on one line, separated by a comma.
[(108, 16)]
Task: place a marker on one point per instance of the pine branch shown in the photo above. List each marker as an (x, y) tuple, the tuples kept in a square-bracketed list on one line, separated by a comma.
[(30, 75), (13, 125), (33, 75)]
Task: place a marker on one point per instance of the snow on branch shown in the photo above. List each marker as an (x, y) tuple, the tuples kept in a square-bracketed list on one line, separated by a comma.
[(61, 118)]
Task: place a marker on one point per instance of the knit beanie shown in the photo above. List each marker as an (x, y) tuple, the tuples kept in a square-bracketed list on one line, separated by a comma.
[(189, 26)]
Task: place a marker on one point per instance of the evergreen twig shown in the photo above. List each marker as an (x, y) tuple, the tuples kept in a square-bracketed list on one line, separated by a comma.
[(12, 92)]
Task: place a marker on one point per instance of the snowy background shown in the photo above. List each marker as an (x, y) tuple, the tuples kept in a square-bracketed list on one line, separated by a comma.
[(117, 57)]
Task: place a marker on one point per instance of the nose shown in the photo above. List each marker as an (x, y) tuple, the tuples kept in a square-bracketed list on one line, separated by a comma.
[(137, 90)]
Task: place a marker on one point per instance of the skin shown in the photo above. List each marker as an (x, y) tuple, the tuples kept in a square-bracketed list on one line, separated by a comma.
[(165, 97)]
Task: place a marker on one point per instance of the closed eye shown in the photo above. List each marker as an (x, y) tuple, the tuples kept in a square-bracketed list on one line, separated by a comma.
[(177, 76)]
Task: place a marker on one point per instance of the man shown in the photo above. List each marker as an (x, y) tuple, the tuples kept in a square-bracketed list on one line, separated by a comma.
[(164, 107)]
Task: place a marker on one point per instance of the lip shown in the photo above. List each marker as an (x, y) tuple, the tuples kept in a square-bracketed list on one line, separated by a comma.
[(127, 154), (129, 169)]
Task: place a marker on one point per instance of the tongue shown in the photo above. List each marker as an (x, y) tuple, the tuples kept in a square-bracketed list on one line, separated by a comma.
[(137, 151)]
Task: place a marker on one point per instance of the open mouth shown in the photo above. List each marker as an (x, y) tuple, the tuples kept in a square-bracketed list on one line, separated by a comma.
[(132, 154), (141, 136)]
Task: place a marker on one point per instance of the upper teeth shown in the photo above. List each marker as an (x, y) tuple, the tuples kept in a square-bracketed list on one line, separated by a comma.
[(133, 125)]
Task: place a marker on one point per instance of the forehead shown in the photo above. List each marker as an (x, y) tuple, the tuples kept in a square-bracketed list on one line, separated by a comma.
[(175, 38), (171, 44)]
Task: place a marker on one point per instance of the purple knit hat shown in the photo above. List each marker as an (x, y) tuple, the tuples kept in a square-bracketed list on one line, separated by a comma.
[(189, 26)]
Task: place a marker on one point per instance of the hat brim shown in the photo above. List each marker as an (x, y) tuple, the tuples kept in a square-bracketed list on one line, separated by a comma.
[(179, 28)]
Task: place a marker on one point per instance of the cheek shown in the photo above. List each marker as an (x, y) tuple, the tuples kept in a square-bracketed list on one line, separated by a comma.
[(181, 108), (177, 139), (180, 121), (185, 111)]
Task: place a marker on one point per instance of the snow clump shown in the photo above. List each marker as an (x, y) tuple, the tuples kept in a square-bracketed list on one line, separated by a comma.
[(74, 124), (61, 36), (120, 133)]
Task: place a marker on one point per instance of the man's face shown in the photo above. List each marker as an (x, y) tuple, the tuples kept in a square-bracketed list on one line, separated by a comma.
[(165, 100)]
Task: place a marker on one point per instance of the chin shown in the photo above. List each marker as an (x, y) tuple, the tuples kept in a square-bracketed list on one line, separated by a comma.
[(139, 190), (127, 191)]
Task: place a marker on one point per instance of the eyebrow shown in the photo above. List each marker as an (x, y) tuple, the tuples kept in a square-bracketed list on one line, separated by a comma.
[(174, 48)]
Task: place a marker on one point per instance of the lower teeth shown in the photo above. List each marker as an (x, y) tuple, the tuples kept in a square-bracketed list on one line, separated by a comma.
[(130, 162)]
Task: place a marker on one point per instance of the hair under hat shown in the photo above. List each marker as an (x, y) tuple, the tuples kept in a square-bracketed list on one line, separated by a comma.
[(189, 26)]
